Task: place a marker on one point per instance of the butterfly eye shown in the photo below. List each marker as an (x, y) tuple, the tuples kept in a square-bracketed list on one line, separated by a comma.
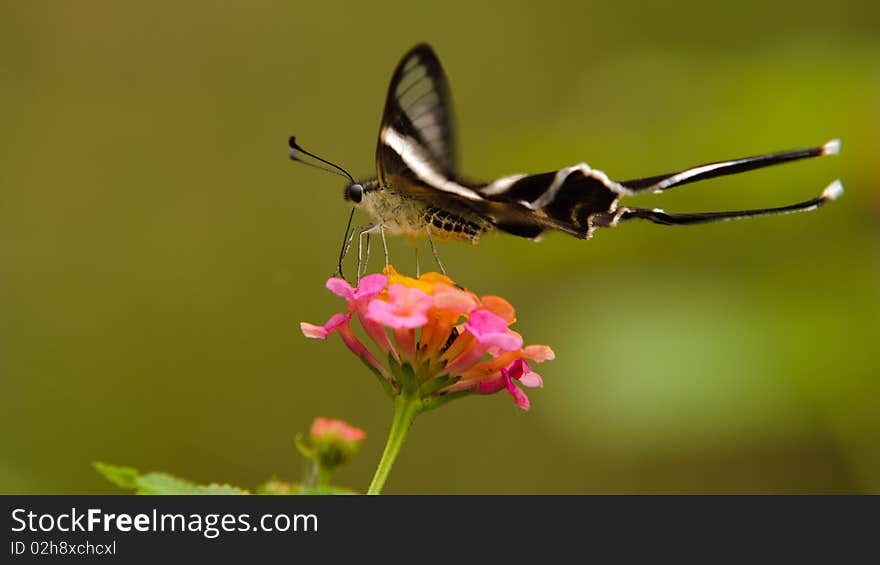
[(355, 193)]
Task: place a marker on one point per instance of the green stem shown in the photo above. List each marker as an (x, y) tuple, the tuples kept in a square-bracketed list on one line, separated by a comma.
[(322, 476), (405, 411)]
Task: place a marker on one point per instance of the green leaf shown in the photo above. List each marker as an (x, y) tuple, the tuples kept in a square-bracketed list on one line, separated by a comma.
[(124, 477), (163, 483), (159, 483)]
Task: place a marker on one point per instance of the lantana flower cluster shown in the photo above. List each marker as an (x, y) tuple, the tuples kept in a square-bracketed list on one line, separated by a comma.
[(440, 340), (331, 442)]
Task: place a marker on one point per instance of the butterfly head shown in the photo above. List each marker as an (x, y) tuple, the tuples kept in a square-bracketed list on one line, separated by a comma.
[(354, 193)]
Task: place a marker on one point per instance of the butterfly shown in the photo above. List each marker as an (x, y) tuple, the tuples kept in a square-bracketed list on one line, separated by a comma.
[(417, 191)]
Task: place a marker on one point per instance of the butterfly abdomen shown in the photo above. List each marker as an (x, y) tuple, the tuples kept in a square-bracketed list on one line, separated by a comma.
[(447, 225), (406, 215)]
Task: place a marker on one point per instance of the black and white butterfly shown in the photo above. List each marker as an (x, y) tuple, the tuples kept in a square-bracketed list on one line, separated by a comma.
[(418, 192)]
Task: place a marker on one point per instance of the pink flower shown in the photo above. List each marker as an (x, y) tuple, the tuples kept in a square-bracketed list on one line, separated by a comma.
[(368, 287), (491, 329), (447, 342), (321, 332), (341, 324), (407, 308), (358, 298), (323, 428), (518, 370)]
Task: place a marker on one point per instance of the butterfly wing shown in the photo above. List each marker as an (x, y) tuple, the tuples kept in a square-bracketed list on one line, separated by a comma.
[(416, 156), (572, 200), (418, 115)]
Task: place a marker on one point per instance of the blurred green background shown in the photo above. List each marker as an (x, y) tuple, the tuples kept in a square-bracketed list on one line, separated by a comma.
[(158, 250)]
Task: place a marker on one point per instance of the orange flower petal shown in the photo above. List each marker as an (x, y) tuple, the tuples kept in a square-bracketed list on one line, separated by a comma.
[(436, 278), (500, 307)]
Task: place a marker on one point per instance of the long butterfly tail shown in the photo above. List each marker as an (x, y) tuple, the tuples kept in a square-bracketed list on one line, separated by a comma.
[(660, 183), (658, 216)]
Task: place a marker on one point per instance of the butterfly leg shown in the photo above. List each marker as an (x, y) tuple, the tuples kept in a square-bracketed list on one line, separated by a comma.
[(360, 231), (346, 247), (660, 183), (363, 254), (658, 216), (366, 253), (361, 262), (384, 244), (434, 249)]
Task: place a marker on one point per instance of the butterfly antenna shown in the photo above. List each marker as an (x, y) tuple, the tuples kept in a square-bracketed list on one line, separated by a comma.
[(295, 150)]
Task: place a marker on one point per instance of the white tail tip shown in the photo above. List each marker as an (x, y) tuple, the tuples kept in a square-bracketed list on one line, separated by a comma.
[(831, 148), (834, 190)]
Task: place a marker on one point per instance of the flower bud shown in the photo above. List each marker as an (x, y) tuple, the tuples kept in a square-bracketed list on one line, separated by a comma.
[(333, 442)]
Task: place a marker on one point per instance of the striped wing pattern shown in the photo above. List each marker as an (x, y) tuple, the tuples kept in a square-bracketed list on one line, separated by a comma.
[(416, 156)]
